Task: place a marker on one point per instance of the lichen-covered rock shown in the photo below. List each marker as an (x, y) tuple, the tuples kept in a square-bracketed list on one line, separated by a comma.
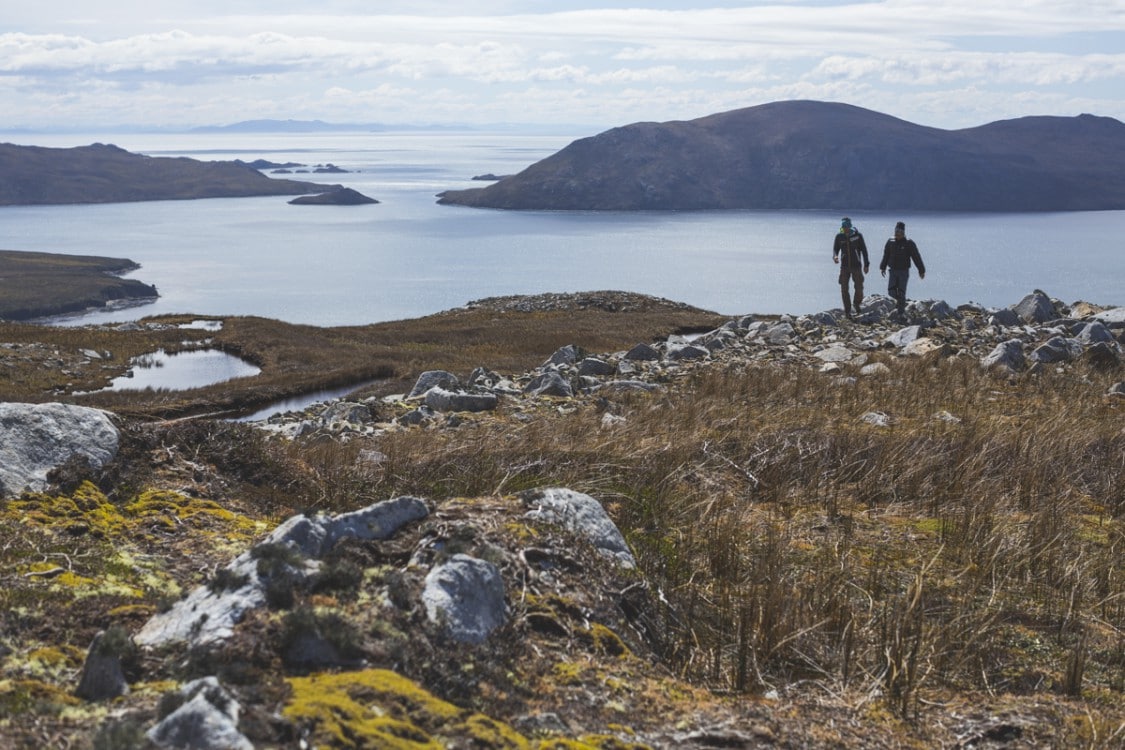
[(206, 720), (465, 596), (37, 438), (582, 515)]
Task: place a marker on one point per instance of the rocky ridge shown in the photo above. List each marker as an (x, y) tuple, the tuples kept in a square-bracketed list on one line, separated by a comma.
[(1023, 338)]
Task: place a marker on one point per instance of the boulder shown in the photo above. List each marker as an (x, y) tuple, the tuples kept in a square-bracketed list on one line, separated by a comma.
[(1035, 308), (37, 438), (206, 720), (433, 378), (1006, 355), (1057, 349), (466, 597), (642, 353), (549, 384), (582, 515), (442, 400), (567, 355)]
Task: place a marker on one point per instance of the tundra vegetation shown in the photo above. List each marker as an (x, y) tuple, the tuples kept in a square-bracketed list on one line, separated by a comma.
[(955, 575)]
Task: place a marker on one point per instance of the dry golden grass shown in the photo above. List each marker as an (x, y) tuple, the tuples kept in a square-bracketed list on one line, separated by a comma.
[(976, 544)]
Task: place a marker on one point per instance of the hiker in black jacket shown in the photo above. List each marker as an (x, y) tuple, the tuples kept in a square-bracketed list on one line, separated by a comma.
[(898, 253), (847, 250)]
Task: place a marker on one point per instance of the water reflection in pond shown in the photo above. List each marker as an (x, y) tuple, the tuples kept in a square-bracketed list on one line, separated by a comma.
[(300, 403), (182, 370)]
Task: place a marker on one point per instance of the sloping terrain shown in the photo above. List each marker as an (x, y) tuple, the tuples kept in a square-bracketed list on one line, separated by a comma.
[(847, 534), (806, 154), (100, 173)]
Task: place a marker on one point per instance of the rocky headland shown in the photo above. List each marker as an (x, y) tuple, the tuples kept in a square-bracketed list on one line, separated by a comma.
[(528, 616), (821, 155), (39, 285), (100, 173)]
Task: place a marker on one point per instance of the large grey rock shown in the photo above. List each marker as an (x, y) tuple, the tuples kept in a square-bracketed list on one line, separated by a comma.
[(102, 676), (681, 352), (1035, 308), (466, 597), (37, 438), (642, 353), (567, 355), (905, 336), (206, 720), (379, 521), (1005, 318), (595, 367), (1095, 332), (1057, 349), (835, 353), (440, 399), (1006, 355), (582, 515), (549, 383), (433, 378), (1114, 318)]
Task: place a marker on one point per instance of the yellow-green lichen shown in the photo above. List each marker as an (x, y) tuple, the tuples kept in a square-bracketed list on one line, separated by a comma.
[(496, 735), (370, 708)]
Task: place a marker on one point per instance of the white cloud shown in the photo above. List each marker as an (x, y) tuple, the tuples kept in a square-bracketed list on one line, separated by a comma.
[(192, 61)]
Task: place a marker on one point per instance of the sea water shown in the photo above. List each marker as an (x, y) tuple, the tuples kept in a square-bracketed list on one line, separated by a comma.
[(408, 256)]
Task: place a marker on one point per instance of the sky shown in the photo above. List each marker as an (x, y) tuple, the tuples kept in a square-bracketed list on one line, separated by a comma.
[(172, 64)]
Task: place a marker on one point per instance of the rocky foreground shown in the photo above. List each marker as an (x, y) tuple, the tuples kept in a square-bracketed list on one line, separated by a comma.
[(464, 595)]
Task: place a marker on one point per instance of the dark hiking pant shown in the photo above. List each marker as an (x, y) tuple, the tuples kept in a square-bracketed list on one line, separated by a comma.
[(896, 287), (853, 274)]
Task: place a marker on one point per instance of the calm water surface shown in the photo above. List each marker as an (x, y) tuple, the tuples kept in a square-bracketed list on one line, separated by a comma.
[(408, 256)]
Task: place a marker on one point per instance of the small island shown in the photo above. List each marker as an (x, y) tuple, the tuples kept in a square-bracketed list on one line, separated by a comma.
[(39, 285), (340, 197)]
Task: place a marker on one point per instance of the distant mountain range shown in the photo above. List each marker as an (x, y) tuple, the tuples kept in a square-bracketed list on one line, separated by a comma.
[(807, 154), (33, 175)]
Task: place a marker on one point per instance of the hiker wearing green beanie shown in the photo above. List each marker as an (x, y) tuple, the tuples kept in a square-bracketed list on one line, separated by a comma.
[(847, 250)]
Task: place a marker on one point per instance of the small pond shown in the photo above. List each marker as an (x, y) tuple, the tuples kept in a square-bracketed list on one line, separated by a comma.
[(180, 371), (302, 402)]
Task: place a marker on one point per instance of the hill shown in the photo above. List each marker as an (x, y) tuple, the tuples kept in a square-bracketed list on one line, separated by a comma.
[(99, 173), (807, 154)]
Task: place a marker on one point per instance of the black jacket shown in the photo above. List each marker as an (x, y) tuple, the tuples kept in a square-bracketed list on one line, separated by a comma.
[(897, 255), (849, 248)]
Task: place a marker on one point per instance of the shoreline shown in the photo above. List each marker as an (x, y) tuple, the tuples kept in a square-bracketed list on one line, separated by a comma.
[(36, 287)]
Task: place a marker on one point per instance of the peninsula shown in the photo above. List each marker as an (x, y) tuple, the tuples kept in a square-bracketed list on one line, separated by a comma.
[(100, 173), (39, 285)]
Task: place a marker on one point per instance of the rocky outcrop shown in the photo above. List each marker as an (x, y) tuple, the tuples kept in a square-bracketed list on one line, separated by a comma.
[(36, 439), (1035, 332), (807, 154)]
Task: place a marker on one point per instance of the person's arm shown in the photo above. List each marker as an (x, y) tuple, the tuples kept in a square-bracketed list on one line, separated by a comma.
[(863, 250), (917, 258)]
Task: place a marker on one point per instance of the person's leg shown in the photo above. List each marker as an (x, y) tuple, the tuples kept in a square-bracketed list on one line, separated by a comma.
[(857, 278), (845, 274), (896, 288)]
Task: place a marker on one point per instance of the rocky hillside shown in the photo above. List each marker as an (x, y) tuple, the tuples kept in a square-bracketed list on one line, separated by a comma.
[(807, 154), (99, 173), (203, 584)]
